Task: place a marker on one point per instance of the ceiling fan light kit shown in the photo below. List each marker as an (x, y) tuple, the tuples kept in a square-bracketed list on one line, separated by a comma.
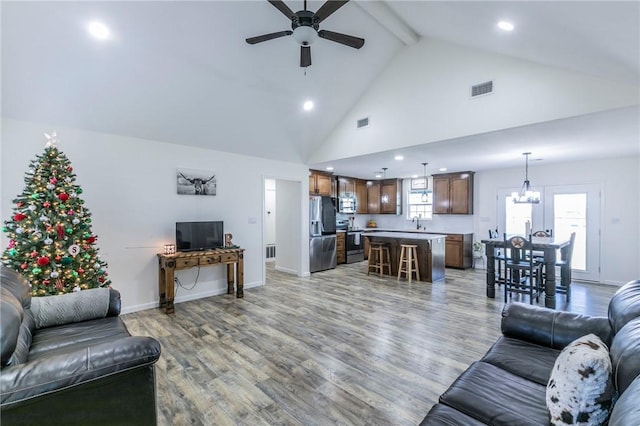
[(305, 25)]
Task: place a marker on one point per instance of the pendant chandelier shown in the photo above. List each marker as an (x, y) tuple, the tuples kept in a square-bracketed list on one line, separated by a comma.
[(425, 198), (526, 194)]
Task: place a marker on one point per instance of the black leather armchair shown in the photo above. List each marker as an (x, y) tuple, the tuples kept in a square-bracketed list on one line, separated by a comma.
[(508, 385), (90, 371)]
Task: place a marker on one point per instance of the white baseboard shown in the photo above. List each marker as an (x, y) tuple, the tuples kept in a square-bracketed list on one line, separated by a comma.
[(185, 298), (286, 270)]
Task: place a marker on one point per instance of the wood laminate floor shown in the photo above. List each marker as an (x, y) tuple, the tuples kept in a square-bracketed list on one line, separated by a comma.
[(339, 347)]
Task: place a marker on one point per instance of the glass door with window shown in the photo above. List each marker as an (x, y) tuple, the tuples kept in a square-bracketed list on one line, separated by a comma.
[(564, 209)]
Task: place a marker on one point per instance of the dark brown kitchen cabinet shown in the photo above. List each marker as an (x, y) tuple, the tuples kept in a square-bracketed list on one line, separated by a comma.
[(373, 197), (391, 196), (458, 251), (361, 196), (341, 247), (321, 184), (453, 193)]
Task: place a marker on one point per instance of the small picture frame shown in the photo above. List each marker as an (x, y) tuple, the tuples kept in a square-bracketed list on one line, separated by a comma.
[(419, 183)]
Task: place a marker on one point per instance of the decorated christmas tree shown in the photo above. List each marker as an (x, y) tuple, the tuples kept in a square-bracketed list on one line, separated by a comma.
[(50, 238)]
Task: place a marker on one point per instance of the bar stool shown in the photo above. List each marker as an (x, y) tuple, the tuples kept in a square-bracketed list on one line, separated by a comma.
[(408, 261), (376, 260)]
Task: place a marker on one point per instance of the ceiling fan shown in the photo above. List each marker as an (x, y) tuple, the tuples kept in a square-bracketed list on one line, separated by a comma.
[(304, 27)]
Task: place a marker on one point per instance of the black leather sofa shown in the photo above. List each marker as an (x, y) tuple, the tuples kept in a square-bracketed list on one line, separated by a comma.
[(79, 373), (508, 385)]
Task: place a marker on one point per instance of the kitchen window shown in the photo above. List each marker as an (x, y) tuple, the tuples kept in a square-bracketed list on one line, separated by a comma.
[(420, 204)]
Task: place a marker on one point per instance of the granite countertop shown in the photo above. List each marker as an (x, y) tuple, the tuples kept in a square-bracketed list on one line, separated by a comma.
[(407, 235), (413, 231)]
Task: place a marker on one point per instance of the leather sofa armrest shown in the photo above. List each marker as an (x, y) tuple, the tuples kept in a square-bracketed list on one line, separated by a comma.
[(546, 327), (61, 370), (114, 303)]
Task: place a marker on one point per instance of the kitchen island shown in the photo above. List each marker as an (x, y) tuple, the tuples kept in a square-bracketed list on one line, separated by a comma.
[(431, 251)]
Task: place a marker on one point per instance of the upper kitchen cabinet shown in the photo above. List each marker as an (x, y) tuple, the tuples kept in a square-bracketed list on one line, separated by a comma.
[(391, 196), (453, 193), (373, 197), (361, 196), (346, 185), (321, 183)]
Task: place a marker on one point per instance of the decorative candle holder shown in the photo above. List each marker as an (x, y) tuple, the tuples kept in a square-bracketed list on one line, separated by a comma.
[(169, 249)]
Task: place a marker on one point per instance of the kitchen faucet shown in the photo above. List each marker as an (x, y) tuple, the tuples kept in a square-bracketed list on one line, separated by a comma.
[(417, 219)]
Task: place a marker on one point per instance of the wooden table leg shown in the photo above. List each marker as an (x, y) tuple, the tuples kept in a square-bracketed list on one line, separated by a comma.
[(240, 290), (550, 278), (231, 277), (491, 271), (162, 285), (169, 286)]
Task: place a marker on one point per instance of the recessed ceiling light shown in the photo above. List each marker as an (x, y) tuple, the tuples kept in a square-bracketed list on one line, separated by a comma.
[(398, 157), (506, 26), (308, 105), (442, 169), (99, 30), (329, 168), (414, 176), (378, 174)]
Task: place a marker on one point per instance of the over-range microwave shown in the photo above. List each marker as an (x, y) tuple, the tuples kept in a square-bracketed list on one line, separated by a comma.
[(347, 203)]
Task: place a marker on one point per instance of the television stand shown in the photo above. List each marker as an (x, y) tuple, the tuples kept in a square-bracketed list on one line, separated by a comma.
[(169, 263)]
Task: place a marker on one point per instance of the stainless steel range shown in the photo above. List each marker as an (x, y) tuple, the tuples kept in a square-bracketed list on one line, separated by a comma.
[(355, 246)]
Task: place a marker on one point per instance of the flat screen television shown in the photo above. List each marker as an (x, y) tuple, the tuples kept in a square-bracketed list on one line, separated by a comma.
[(192, 236)]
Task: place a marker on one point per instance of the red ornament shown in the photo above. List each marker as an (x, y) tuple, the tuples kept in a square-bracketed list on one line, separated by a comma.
[(23, 266), (46, 282), (63, 196), (70, 212), (80, 271), (58, 258), (53, 180), (101, 279), (19, 204), (60, 232), (91, 240), (19, 216), (46, 204), (43, 261), (33, 254), (70, 168)]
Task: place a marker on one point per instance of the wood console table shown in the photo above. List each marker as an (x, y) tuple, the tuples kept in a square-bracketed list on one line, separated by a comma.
[(168, 263)]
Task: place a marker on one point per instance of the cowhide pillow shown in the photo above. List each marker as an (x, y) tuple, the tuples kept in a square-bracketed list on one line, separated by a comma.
[(580, 390)]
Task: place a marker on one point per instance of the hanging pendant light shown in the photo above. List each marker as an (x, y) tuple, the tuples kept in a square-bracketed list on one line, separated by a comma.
[(526, 194), (425, 198)]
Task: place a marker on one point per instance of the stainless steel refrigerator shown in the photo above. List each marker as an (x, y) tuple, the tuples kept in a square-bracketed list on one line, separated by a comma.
[(322, 230)]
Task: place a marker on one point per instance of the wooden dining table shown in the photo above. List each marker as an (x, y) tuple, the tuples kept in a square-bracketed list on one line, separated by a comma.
[(547, 245)]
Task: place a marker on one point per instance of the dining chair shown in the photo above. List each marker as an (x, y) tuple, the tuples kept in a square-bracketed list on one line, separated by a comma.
[(566, 254), (498, 258), (522, 272)]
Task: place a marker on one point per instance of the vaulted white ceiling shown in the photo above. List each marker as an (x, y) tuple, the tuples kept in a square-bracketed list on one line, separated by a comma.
[(181, 72)]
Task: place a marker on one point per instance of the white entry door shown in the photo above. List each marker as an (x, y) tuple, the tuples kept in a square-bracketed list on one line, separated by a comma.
[(564, 209), (576, 208)]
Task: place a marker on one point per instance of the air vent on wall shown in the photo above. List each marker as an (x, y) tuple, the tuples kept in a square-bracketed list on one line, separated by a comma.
[(482, 89), (363, 122)]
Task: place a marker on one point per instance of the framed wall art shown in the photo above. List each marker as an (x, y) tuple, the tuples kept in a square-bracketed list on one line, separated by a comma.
[(196, 182)]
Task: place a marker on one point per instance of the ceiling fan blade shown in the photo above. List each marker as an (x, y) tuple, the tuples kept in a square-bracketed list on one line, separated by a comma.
[(279, 4), (328, 8), (305, 56), (347, 40), (265, 37)]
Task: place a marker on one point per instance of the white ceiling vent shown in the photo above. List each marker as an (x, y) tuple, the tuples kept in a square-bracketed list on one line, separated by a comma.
[(482, 89), (363, 122)]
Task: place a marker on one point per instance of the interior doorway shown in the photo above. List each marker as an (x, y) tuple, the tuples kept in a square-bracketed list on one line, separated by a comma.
[(282, 225)]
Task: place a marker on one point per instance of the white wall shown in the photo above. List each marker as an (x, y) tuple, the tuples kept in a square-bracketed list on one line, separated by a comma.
[(129, 185), (619, 179), (423, 96)]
